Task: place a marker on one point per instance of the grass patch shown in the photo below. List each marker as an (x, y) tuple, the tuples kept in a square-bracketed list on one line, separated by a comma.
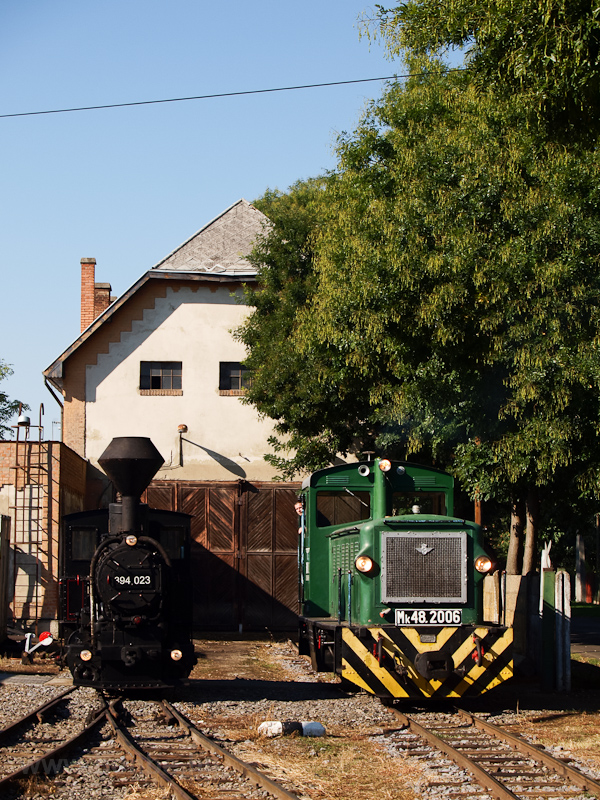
[(222, 659), (587, 610), (579, 657), (578, 732), (345, 763), (585, 674), (46, 666)]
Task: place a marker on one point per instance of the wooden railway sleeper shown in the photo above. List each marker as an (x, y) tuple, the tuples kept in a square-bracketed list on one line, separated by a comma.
[(149, 766), (510, 773), (51, 762), (588, 784), (247, 770), (37, 713)]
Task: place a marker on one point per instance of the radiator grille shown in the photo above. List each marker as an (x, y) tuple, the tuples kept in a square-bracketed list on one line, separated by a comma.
[(429, 567), (343, 556)]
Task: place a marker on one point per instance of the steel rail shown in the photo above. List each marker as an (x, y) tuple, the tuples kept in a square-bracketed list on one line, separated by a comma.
[(37, 712), (494, 787), (523, 746), (48, 761), (249, 772), (149, 766)]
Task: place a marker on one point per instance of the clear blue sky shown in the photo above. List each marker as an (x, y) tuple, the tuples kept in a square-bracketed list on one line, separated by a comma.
[(126, 186)]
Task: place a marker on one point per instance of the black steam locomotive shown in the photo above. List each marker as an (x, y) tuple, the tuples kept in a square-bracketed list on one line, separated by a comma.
[(125, 582)]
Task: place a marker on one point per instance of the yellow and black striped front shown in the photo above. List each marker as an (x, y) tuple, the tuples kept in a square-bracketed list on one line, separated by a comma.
[(389, 661)]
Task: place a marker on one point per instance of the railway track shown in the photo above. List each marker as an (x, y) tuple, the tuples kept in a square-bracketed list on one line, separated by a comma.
[(141, 742), (501, 764)]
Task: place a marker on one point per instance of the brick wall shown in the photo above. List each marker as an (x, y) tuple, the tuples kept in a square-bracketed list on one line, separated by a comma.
[(50, 482), (7, 460)]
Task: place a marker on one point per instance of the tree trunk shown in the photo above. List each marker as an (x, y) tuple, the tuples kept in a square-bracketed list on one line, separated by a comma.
[(532, 513), (515, 543)]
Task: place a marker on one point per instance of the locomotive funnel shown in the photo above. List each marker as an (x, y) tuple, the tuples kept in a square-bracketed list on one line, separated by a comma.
[(130, 462)]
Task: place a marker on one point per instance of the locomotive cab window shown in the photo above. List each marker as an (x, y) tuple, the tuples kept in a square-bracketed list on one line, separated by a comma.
[(83, 543), (342, 508), (426, 502)]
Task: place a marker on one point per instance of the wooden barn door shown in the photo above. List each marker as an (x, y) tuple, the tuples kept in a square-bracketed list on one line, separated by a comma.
[(244, 551), (269, 558), (214, 554)]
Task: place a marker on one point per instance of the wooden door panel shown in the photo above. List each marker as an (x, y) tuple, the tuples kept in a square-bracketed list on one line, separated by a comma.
[(221, 519), (287, 521), (162, 497), (215, 591), (258, 600), (192, 501), (285, 595), (259, 521)]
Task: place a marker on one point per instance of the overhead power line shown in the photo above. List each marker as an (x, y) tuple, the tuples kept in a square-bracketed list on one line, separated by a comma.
[(198, 97)]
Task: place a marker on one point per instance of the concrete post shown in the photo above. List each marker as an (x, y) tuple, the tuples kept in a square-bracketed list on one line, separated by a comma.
[(580, 593), (547, 612), (562, 604)]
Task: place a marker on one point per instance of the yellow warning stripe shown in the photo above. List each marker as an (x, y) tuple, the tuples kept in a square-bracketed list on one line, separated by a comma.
[(467, 646), (350, 674), (427, 687), (477, 671), (418, 681), (414, 638), (371, 664)]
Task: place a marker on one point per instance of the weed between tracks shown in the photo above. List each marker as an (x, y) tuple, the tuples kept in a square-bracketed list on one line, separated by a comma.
[(577, 732), (345, 763)]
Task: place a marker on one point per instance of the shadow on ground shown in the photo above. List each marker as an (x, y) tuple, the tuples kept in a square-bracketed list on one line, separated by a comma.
[(243, 689)]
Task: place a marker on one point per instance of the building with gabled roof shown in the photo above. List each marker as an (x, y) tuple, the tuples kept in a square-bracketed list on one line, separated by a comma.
[(221, 245), (161, 361)]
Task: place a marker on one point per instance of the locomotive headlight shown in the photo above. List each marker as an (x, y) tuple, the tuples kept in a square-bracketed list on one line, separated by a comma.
[(85, 655), (483, 564), (176, 655), (131, 540), (364, 564), (385, 465)]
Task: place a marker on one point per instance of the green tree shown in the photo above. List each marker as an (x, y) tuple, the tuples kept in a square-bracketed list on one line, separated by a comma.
[(309, 394), (451, 281), (8, 408), (548, 52), (457, 274)]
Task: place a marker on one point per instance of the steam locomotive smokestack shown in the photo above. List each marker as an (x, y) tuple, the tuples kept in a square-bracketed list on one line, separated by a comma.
[(130, 462)]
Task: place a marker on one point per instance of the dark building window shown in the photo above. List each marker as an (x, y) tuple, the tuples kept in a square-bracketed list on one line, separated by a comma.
[(160, 375), (233, 376)]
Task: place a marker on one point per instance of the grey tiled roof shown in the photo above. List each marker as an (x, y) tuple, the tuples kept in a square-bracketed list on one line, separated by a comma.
[(220, 246)]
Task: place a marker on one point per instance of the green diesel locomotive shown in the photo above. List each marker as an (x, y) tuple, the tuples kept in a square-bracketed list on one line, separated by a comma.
[(391, 584)]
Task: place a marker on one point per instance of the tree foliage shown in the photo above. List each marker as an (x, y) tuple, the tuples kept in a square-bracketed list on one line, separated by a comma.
[(8, 408), (308, 393), (442, 296), (458, 274), (548, 52)]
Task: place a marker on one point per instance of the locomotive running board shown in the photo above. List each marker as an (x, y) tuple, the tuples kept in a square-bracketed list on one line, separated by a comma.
[(381, 660)]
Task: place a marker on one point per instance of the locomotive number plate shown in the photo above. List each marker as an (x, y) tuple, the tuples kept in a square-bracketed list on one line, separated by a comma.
[(133, 580), (428, 616)]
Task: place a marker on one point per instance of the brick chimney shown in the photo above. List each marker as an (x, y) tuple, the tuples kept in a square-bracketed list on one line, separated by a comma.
[(88, 274), (95, 297)]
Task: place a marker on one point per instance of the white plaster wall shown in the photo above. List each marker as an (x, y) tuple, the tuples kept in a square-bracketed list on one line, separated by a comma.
[(225, 439)]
